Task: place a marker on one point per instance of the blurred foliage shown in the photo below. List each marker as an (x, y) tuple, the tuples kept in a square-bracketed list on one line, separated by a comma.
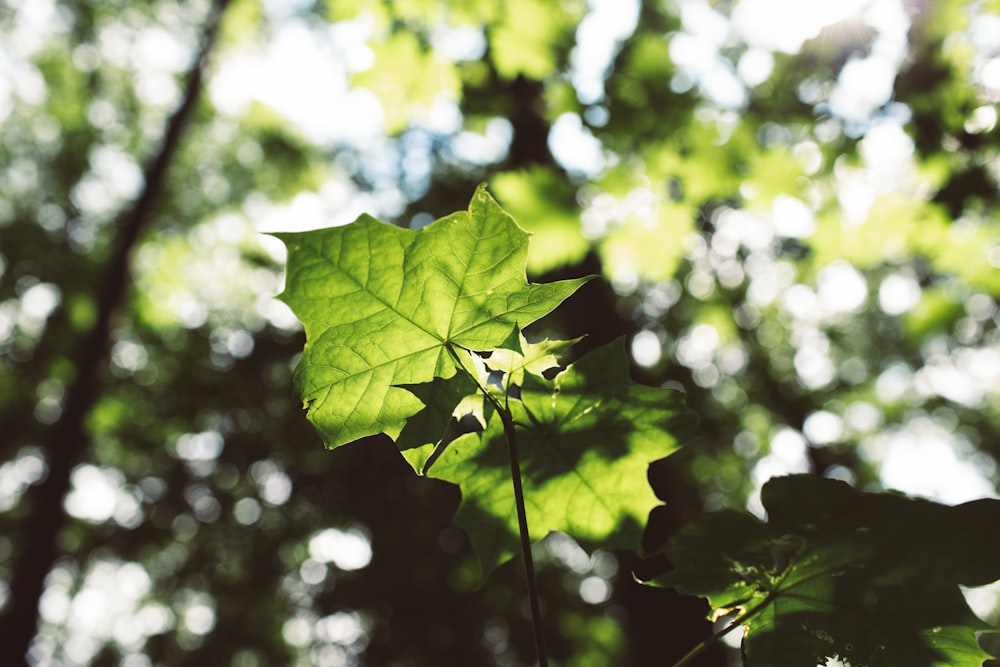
[(814, 262), (546, 200)]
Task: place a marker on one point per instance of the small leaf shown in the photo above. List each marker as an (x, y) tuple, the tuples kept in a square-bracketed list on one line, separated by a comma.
[(869, 578), (380, 305), (585, 440), (536, 358)]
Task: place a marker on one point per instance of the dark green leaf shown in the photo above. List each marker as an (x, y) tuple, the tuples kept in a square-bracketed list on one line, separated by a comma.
[(869, 578), (429, 426)]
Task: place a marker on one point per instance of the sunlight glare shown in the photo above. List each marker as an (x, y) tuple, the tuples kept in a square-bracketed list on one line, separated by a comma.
[(203, 446), (106, 609), (823, 427), (792, 217), (841, 289), (599, 38), (646, 349), (594, 590), (280, 75), (574, 146), (785, 25), (298, 631), (925, 458), (341, 628), (565, 549), (898, 293), (788, 456), (247, 511), (198, 613), (17, 475), (348, 550), (99, 494), (273, 485)]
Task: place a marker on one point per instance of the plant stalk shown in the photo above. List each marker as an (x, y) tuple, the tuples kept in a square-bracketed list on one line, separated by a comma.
[(736, 622), (510, 435), (522, 524)]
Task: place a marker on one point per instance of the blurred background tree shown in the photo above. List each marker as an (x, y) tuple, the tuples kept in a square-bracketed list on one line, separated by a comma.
[(793, 205)]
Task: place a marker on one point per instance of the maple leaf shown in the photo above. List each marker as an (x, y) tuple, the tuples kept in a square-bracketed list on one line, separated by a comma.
[(871, 579), (585, 439), (382, 304)]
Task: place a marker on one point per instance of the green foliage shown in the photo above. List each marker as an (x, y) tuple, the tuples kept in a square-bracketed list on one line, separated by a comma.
[(587, 438), (869, 578), (382, 306), (649, 250), (288, 167), (400, 57), (527, 34), (545, 204), (393, 315), (417, 334)]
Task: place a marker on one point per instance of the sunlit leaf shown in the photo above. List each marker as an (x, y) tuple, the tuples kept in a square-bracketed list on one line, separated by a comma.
[(520, 356), (441, 398), (381, 305), (585, 439)]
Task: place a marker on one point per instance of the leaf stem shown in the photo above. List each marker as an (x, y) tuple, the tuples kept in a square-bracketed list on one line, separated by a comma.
[(510, 435), (522, 523), (736, 622)]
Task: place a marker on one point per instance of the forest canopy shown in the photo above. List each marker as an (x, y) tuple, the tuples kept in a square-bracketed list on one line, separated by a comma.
[(790, 209)]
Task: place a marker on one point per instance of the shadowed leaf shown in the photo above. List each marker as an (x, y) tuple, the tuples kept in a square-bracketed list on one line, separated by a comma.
[(869, 578)]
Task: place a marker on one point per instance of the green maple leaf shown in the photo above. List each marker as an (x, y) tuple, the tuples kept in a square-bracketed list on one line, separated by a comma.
[(585, 439), (869, 578), (381, 306)]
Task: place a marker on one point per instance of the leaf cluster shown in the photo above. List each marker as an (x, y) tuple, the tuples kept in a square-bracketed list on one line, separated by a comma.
[(868, 578), (418, 334)]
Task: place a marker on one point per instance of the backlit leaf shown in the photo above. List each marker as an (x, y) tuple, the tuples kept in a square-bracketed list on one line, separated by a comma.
[(381, 305), (585, 439)]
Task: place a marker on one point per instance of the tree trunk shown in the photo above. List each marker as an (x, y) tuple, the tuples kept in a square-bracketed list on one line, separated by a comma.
[(66, 441)]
